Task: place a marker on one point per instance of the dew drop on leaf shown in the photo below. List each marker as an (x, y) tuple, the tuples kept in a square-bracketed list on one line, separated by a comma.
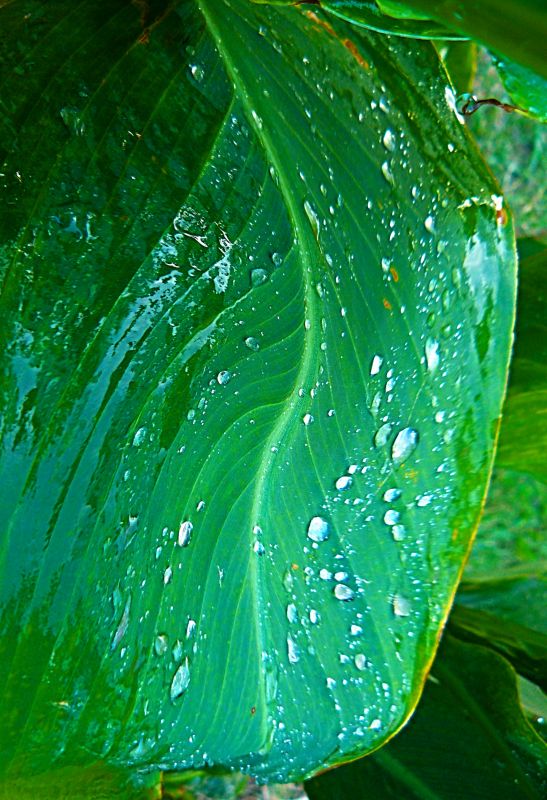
[(405, 443), (252, 343), (398, 532), (391, 517), (258, 277), (160, 644), (432, 354), (318, 529), (293, 651), (401, 606), (180, 681), (360, 661), (382, 434), (223, 377), (343, 592), (376, 365), (392, 494), (388, 140), (343, 483), (185, 533)]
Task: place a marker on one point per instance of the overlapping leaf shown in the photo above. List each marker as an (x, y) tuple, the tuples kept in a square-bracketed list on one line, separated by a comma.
[(257, 305)]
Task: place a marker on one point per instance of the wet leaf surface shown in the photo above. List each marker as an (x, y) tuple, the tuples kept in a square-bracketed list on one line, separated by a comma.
[(257, 303)]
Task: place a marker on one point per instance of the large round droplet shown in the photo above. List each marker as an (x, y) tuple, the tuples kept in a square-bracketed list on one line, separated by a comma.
[(343, 592), (405, 443), (318, 529), (185, 533)]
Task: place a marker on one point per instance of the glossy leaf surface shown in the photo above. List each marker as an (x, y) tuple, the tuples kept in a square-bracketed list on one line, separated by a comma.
[(527, 89), (254, 361), (516, 28), (468, 738)]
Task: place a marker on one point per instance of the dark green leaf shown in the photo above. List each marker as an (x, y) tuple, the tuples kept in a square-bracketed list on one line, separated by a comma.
[(468, 739), (516, 28), (460, 61), (368, 14), (237, 310), (523, 646), (526, 88), (519, 598), (523, 436)]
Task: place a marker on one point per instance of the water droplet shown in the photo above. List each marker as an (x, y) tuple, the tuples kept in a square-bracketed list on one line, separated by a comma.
[(313, 218), (432, 354), (401, 606), (387, 173), (439, 416), (252, 343), (139, 437), (382, 434), (424, 500), (293, 651), (257, 119), (160, 644), (318, 530), (314, 616), (391, 517), (405, 443), (180, 681), (360, 661), (388, 140), (356, 630), (325, 575), (277, 259), (185, 533), (398, 532), (390, 495), (198, 72), (223, 377), (343, 483), (258, 277), (375, 725), (307, 419), (259, 548), (292, 613), (190, 628), (343, 592), (167, 575), (376, 365), (429, 224)]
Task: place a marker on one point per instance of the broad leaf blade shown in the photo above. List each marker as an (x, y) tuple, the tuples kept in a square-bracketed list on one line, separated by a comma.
[(468, 738), (516, 28), (237, 306), (527, 89)]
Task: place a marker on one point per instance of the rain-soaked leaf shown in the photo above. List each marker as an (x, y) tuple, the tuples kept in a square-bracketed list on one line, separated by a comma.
[(517, 28), (258, 292), (468, 739)]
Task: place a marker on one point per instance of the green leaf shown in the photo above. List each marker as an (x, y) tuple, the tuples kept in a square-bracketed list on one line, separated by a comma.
[(523, 436), (237, 311), (468, 739), (527, 89), (524, 647), (460, 61), (369, 14), (518, 598), (516, 28)]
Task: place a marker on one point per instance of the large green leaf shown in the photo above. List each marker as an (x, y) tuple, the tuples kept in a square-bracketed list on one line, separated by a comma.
[(527, 89), (516, 28), (257, 303), (468, 739)]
